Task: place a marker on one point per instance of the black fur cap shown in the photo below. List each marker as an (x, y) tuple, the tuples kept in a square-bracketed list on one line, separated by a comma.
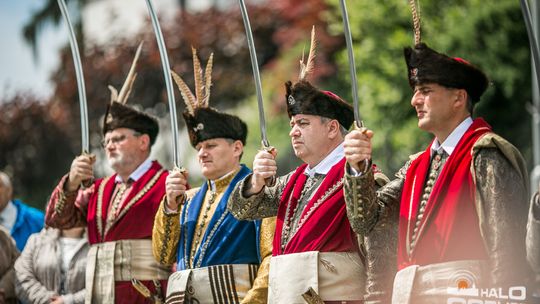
[(208, 123), (122, 116), (424, 65), (304, 98)]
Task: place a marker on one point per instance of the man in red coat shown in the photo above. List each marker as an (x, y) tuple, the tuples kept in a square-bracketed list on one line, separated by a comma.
[(462, 202), (314, 245), (118, 210)]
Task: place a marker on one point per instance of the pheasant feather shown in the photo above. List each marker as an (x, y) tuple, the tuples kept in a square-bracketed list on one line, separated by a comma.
[(188, 97), (128, 83), (306, 68), (198, 77), (416, 21), (208, 80)]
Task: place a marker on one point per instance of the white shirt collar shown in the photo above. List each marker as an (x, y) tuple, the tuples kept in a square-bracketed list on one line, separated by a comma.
[(452, 140), (138, 173), (328, 162), (9, 216)]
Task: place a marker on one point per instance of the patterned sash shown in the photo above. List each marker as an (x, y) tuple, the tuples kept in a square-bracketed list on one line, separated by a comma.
[(214, 284)]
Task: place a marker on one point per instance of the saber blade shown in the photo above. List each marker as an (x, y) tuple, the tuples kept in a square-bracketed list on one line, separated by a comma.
[(532, 39), (352, 66), (85, 143), (256, 73), (168, 81)]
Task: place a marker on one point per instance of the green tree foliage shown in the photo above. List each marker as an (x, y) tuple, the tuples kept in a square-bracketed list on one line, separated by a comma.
[(489, 34)]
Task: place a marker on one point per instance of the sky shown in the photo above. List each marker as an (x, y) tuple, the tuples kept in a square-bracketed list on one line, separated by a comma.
[(18, 69), (20, 72)]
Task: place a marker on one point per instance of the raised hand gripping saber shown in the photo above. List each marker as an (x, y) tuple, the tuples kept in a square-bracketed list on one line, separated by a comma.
[(532, 39), (168, 83), (85, 143), (257, 77)]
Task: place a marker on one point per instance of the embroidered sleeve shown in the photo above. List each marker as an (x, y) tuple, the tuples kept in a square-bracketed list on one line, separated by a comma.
[(67, 209), (259, 291), (371, 196), (380, 246), (165, 235), (501, 195), (533, 234), (257, 206)]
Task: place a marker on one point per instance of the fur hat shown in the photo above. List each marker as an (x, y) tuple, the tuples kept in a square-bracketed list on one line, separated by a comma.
[(208, 123), (304, 98), (202, 121), (424, 65), (120, 115)]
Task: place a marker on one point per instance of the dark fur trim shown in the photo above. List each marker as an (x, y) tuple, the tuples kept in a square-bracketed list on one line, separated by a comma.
[(209, 123), (425, 65), (122, 116), (304, 98)]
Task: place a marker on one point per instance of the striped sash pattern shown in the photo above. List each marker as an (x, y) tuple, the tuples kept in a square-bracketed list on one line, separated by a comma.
[(220, 284)]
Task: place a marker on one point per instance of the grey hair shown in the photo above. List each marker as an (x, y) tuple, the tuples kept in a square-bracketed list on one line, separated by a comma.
[(342, 129)]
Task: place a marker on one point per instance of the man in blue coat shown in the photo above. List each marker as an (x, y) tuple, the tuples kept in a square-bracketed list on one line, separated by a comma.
[(18, 218)]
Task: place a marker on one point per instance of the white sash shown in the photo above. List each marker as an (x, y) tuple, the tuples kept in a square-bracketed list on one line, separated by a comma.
[(335, 276), (121, 260)]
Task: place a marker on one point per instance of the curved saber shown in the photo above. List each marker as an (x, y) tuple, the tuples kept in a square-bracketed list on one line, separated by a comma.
[(256, 73), (168, 81), (352, 66), (532, 39), (358, 123), (85, 143)]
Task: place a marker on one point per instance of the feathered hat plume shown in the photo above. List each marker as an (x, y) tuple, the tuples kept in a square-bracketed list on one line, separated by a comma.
[(416, 21), (128, 83), (120, 115), (307, 67), (425, 65), (203, 82), (304, 98), (202, 121)]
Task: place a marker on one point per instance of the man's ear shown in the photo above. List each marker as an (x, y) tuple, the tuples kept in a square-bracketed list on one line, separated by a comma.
[(461, 97), (333, 128), (144, 141), (238, 147)]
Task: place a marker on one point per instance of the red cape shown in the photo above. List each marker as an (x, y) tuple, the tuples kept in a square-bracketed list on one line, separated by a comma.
[(449, 229)]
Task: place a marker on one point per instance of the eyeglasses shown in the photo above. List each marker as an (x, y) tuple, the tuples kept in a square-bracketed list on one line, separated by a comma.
[(115, 140)]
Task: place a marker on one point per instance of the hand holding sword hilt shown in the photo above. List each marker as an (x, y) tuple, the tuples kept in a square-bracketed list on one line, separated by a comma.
[(357, 148), (88, 182), (81, 172), (270, 181), (175, 187), (365, 164)]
